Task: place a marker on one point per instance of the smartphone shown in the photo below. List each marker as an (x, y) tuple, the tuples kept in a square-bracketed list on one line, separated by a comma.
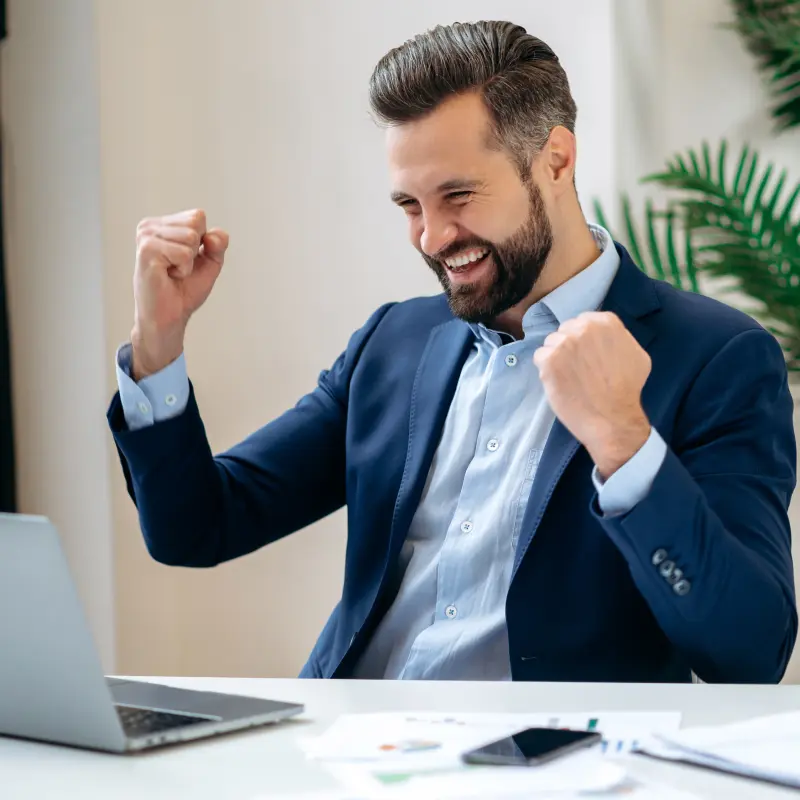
[(532, 747)]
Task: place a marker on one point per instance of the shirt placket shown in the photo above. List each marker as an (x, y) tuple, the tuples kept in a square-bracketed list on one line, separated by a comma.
[(467, 532)]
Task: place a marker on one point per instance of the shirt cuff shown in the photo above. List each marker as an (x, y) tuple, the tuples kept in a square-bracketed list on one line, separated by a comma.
[(632, 482), (157, 397)]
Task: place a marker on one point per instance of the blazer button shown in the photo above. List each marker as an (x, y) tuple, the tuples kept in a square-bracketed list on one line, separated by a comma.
[(682, 588), (659, 556), (674, 577), (666, 569)]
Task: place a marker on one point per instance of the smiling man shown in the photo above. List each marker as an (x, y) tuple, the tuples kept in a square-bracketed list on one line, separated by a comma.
[(558, 469)]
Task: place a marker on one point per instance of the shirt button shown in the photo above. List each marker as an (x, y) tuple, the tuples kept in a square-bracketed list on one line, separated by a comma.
[(144, 408), (451, 612), (466, 526), (492, 445), (170, 399), (511, 361)]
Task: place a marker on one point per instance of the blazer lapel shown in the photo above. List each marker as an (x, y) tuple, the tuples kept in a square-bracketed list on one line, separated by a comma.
[(631, 297), (434, 386)]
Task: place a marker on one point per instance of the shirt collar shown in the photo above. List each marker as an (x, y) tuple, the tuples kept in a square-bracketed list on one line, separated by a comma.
[(582, 292), (586, 290)]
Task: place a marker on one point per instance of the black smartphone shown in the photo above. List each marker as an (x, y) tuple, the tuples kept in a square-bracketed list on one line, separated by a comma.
[(532, 747)]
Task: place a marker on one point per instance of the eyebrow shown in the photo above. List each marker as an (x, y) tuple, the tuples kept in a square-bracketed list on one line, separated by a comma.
[(453, 185)]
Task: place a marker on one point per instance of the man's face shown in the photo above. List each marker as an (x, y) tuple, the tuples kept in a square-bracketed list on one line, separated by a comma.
[(480, 228)]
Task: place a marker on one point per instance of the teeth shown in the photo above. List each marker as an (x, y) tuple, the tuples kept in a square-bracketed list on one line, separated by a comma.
[(465, 258)]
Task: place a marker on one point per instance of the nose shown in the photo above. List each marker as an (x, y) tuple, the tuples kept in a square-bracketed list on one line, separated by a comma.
[(437, 233)]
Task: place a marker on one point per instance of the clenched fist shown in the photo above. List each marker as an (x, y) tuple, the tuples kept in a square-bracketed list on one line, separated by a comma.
[(177, 262), (593, 372)]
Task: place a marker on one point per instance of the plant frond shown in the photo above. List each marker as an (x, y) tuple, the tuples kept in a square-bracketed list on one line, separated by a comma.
[(745, 228), (770, 30), (659, 244)]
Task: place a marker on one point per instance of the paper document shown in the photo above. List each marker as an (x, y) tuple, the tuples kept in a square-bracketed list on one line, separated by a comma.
[(580, 772), (765, 747), (434, 737), (499, 791), (368, 751)]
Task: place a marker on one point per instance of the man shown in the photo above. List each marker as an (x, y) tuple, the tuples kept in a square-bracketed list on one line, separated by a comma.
[(559, 469)]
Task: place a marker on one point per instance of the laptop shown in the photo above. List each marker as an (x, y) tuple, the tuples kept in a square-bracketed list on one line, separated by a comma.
[(52, 686)]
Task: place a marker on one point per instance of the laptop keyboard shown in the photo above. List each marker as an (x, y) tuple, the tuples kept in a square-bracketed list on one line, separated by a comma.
[(143, 721)]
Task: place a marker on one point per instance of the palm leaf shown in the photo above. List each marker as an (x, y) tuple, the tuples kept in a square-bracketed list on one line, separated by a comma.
[(743, 228), (663, 251), (771, 32)]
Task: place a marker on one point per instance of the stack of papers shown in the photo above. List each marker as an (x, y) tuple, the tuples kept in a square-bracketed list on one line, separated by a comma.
[(419, 753), (427, 736), (767, 748), (629, 791), (571, 775)]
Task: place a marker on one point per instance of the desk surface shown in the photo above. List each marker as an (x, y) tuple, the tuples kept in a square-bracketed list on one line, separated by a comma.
[(268, 761)]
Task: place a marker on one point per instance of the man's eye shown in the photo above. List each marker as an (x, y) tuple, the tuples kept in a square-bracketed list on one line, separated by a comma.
[(459, 195), (409, 206)]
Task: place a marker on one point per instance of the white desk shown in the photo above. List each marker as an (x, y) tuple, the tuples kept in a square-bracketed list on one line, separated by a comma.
[(268, 761)]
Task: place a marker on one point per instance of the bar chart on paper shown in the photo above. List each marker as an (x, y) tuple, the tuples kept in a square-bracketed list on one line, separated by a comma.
[(610, 745)]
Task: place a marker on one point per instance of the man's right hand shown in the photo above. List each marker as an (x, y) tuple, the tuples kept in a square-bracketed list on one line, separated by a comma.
[(177, 262)]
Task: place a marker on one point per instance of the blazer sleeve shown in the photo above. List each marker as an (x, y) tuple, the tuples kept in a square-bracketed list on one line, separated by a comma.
[(709, 547), (198, 510)]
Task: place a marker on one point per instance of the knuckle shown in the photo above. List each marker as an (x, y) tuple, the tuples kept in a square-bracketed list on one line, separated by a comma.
[(198, 218), (566, 327), (150, 249), (145, 244), (144, 231), (145, 251)]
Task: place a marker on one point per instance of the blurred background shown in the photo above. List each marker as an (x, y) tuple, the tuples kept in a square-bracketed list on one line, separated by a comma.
[(256, 111)]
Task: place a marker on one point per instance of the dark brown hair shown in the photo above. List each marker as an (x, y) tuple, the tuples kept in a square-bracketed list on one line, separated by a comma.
[(520, 79)]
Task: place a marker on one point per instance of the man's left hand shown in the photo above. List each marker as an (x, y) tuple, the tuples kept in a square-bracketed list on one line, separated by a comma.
[(593, 372)]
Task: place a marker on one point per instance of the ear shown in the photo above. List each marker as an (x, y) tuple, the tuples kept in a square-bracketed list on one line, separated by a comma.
[(558, 157)]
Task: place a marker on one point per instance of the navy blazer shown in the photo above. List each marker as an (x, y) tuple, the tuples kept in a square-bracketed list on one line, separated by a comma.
[(590, 598)]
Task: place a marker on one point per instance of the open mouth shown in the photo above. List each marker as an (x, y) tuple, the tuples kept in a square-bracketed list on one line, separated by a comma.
[(468, 264)]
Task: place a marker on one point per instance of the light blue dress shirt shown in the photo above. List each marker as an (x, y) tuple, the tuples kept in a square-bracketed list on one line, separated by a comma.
[(155, 398), (448, 619)]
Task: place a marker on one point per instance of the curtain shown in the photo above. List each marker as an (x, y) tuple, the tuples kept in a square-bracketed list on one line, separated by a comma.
[(7, 478)]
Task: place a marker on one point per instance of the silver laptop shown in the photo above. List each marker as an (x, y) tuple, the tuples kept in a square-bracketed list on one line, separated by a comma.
[(52, 686)]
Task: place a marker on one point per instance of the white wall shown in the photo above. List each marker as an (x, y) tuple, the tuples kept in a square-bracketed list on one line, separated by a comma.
[(256, 111), (681, 77), (54, 266)]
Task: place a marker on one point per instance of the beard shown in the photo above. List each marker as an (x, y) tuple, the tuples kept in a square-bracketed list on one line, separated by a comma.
[(518, 262)]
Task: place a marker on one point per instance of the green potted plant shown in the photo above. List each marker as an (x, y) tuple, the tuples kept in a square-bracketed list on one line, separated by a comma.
[(734, 219)]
